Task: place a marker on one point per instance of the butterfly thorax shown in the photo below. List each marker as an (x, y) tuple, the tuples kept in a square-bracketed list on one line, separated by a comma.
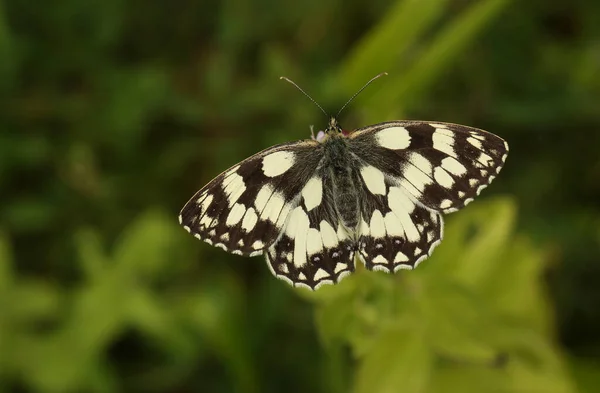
[(340, 167)]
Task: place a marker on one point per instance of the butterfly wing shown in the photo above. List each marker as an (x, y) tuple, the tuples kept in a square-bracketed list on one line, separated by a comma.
[(443, 166), (314, 247), (395, 231), (245, 208)]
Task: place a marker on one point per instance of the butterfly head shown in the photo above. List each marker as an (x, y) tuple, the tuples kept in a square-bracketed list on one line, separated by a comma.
[(333, 128)]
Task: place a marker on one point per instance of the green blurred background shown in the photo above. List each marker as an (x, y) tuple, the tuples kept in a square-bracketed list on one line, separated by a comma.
[(115, 112)]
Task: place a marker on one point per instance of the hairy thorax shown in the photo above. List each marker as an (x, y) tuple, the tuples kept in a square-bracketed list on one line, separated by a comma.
[(342, 170)]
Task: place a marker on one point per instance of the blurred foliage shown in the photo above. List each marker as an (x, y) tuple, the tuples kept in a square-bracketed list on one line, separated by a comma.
[(115, 112)]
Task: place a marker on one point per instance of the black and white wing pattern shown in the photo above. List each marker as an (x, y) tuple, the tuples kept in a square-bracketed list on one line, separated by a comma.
[(314, 248), (245, 208), (411, 173), (443, 166), (396, 231), (379, 193)]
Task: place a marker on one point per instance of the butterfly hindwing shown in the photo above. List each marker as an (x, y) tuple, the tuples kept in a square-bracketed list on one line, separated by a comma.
[(395, 231), (442, 165), (314, 248), (244, 209)]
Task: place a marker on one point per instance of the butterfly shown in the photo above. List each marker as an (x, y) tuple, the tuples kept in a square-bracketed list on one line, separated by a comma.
[(378, 192)]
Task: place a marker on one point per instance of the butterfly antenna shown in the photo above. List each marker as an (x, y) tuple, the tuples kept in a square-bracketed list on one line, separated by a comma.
[(361, 89), (305, 93)]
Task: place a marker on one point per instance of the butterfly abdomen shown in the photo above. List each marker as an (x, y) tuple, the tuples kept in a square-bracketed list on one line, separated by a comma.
[(346, 198), (341, 169)]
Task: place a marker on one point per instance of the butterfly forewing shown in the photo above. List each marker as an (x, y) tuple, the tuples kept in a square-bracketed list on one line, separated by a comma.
[(442, 165), (245, 208)]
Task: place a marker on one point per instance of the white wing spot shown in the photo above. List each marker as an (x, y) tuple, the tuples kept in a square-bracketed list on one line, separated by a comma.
[(257, 245), (320, 274), (402, 206), (377, 225), (374, 179), (277, 163), (444, 142), (285, 211), (429, 237), (446, 203), (421, 162), (206, 203), (474, 142), (477, 136), (473, 182), (297, 229), (225, 237), (442, 177), (235, 214), (461, 194), (250, 219), (485, 159), (273, 208), (205, 221), (263, 197), (438, 125), (235, 188), (380, 259), (314, 244), (400, 257), (417, 251), (232, 170), (399, 201), (452, 165), (313, 193), (328, 235), (418, 173), (394, 138), (339, 267), (393, 226)]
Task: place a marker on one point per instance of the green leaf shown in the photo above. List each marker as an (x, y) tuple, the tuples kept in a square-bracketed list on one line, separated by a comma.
[(403, 88), (400, 361), (459, 323), (381, 49), (148, 244), (6, 260)]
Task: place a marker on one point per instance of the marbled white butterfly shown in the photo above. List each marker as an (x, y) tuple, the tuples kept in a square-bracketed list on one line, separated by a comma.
[(378, 192)]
